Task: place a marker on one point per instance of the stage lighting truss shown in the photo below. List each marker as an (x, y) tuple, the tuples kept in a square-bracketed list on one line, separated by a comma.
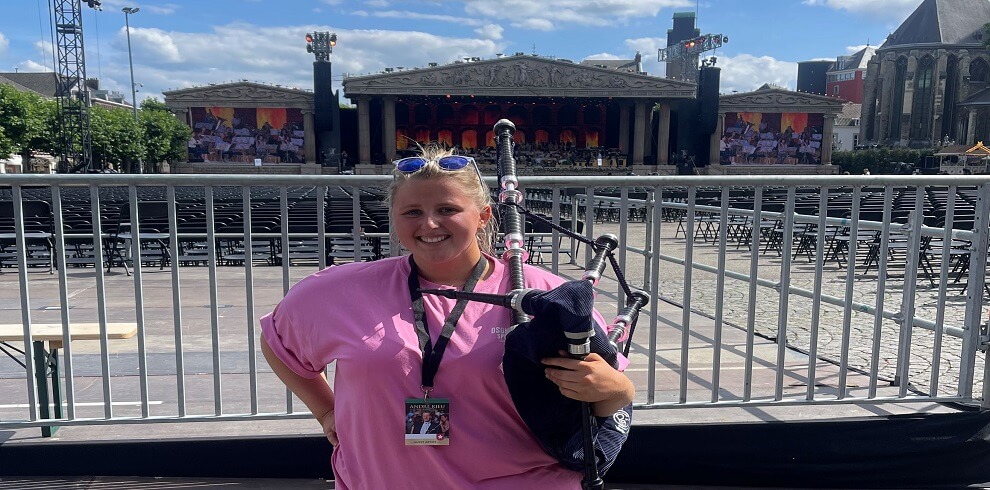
[(692, 47), (321, 44)]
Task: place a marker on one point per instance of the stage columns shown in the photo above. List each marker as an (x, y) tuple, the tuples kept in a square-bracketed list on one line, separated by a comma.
[(309, 145), (663, 135), (388, 128), (827, 139), (639, 132), (624, 128), (364, 129)]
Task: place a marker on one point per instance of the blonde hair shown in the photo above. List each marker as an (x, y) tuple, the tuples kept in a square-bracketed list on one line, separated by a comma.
[(466, 178)]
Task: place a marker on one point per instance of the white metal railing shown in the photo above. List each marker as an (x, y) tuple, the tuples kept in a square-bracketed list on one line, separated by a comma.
[(184, 365)]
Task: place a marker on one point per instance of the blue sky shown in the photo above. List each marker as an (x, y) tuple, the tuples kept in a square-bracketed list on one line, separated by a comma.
[(184, 43)]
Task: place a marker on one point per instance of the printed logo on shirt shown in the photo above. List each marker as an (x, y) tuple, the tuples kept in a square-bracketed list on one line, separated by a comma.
[(501, 332), (621, 419)]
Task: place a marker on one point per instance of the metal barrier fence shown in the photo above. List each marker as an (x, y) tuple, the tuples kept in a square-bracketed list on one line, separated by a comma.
[(202, 367)]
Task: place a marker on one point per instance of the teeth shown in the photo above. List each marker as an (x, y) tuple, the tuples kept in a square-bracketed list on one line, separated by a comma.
[(433, 239)]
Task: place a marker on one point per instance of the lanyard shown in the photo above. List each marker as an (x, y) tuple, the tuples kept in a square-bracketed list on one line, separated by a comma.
[(433, 354)]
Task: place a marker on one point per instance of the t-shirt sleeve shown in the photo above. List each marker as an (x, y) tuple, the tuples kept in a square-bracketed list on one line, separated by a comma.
[(290, 339)]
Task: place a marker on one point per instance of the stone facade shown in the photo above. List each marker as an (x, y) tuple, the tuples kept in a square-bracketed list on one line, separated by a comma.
[(525, 85), (923, 85)]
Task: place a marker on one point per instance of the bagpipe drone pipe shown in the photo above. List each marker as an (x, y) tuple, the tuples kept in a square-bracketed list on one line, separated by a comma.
[(561, 320)]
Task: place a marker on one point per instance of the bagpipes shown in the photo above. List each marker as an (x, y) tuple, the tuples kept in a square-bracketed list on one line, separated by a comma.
[(562, 320)]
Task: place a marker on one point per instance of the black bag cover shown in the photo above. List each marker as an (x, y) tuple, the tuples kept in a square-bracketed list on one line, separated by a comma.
[(554, 419)]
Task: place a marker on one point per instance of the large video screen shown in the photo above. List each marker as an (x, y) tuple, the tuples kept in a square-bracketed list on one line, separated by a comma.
[(793, 138), (228, 134)]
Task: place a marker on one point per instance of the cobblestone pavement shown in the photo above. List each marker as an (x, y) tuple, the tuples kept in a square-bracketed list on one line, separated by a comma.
[(832, 341)]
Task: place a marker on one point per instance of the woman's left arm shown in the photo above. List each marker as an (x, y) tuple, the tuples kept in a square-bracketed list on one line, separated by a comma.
[(591, 380)]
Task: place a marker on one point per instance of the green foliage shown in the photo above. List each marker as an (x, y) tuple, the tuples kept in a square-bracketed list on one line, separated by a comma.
[(26, 122), (153, 104), (878, 160), (165, 137), (116, 137)]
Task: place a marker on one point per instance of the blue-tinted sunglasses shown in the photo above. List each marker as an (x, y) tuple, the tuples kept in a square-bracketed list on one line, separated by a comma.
[(450, 162)]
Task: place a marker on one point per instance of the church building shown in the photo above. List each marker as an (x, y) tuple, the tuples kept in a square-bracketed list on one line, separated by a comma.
[(927, 85)]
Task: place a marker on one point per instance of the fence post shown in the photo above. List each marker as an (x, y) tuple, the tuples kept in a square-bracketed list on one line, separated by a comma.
[(974, 295)]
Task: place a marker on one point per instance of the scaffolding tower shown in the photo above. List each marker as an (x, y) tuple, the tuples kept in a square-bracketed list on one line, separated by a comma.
[(75, 153)]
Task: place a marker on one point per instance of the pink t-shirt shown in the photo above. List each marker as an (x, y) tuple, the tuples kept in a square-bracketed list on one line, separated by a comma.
[(360, 315)]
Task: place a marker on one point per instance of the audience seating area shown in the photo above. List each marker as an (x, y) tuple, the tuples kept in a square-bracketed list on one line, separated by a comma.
[(267, 247), (298, 242)]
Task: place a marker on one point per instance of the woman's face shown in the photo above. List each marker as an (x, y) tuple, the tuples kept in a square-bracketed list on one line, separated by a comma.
[(438, 222)]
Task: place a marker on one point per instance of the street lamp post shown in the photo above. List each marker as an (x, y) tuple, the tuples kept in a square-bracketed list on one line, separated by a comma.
[(130, 60)]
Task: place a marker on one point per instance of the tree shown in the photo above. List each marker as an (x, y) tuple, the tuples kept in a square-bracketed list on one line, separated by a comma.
[(165, 137), (14, 115), (116, 137)]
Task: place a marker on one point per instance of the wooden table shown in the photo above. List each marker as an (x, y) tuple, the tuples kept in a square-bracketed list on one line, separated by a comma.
[(46, 357)]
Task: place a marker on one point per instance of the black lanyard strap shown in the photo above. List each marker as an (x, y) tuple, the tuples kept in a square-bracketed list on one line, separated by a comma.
[(433, 354)]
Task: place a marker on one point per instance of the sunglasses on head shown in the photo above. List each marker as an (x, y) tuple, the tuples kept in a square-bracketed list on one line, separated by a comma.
[(450, 162)]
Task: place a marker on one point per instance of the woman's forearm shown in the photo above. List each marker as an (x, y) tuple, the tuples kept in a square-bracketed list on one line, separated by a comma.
[(314, 392), (623, 397)]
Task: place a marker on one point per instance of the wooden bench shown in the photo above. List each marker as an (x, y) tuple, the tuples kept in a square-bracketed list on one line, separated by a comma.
[(46, 359)]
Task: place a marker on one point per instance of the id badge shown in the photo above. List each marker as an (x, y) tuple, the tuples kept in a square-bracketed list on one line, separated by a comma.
[(427, 422)]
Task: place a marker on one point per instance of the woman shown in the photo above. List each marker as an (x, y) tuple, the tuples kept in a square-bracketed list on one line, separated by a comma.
[(366, 317)]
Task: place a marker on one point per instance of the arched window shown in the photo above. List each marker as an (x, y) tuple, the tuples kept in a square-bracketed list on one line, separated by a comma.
[(593, 114), (591, 138), (469, 114), (519, 136), (445, 137), (401, 139), (490, 139), (542, 136), (921, 106), (402, 113), (423, 113), (445, 114), (567, 137), (897, 99), (517, 114), (423, 135), (978, 70), (469, 138), (542, 116), (567, 115), (492, 114), (949, 100)]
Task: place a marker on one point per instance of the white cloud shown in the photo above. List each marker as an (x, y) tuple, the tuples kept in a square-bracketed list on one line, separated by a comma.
[(490, 31), (856, 49), (648, 47), (603, 56), (153, 8), (32, 66), (888, 9), (409, 15), (545, 15), (745, 72), (4, 43), (377, 3), (275, 55), (535, 24), (152, 43)]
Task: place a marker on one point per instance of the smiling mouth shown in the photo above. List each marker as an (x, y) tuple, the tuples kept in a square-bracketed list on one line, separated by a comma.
[(433, 239)]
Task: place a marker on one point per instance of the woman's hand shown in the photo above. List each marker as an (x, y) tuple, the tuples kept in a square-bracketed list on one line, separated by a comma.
[(590, 380), (329, 427)]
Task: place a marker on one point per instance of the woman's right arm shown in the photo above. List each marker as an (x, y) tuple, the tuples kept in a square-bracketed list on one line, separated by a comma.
[(314, 392)]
